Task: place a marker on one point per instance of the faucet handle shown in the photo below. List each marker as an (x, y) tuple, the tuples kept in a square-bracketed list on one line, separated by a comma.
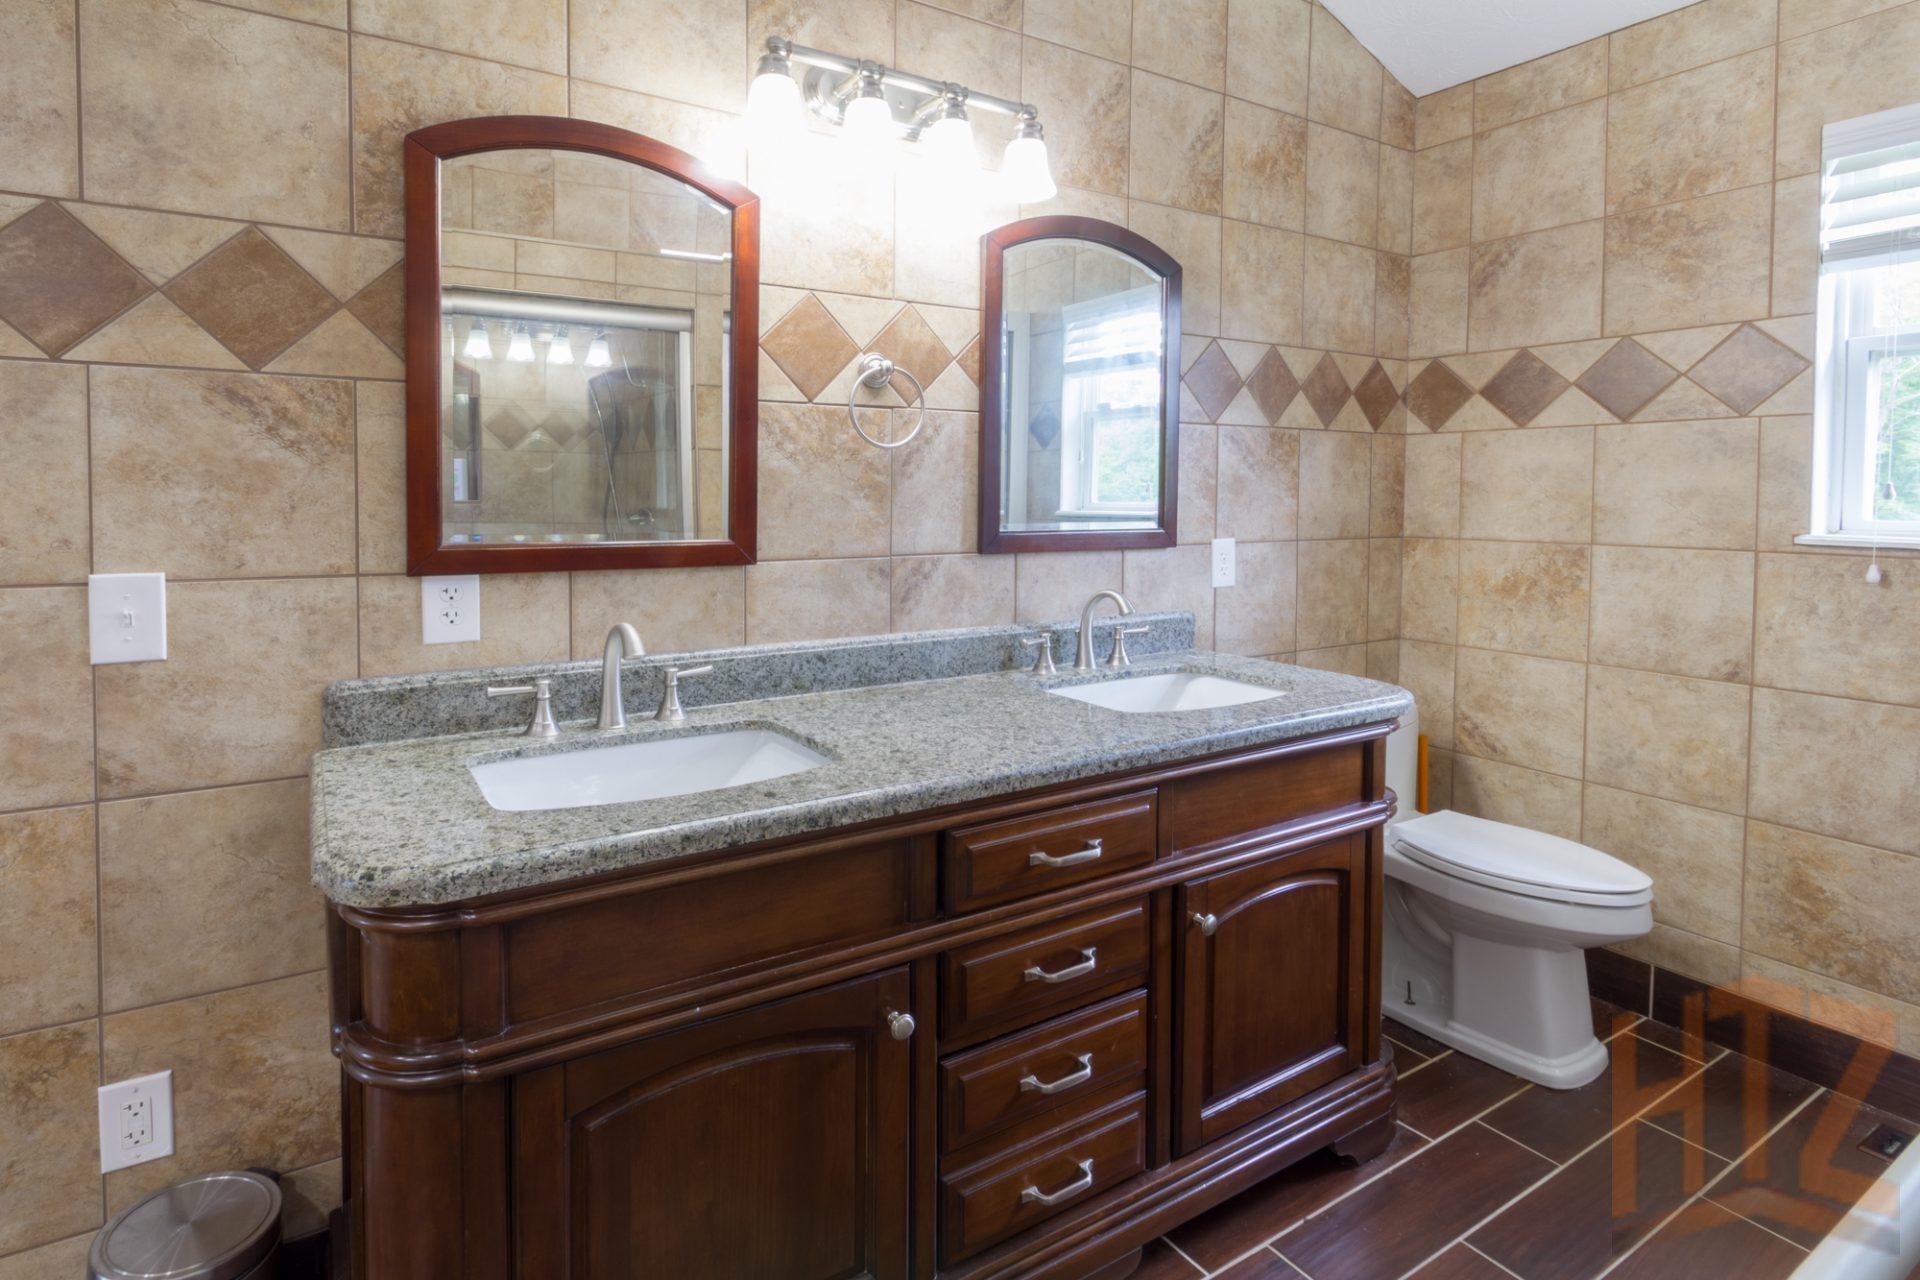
[(670, 708), (1043, 665), (1118, 659), (542, 724)]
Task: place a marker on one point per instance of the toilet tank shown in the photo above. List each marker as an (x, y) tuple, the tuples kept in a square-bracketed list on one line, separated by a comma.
[(1403, 762)]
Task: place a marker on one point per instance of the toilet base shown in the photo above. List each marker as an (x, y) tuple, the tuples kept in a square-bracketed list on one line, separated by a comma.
[(1582, 1065)]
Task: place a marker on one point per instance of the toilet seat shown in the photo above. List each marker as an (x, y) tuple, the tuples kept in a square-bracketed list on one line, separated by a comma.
[(1516, 860)]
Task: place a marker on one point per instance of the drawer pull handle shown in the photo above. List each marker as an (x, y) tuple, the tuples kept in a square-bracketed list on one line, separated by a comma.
[(1068, 1192), (1086, 966), (1208, 924), (1032, 1084), (1089, 854)]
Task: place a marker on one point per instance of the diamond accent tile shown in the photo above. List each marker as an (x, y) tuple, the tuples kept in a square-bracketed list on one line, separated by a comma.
[(382, 306), (1376, 394), (1214, 381), (1273, 386), (509, 425), (1524, 387), (1627, 378), (1747, 368), (809, 346), (59, 281), (1436, 394), (1326, 390), (251, 296), (969, 361), (910, 342)]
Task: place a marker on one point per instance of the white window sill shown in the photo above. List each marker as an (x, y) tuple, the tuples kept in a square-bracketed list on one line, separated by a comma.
[(1862, 541)]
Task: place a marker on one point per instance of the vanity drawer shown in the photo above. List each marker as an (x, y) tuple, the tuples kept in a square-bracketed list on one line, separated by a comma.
[(1056, 1065), (1009, 981), (1004, 1195), (1001, 861)]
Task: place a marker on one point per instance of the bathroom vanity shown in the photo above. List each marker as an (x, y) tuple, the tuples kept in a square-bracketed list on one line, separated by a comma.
[(1007, 984)]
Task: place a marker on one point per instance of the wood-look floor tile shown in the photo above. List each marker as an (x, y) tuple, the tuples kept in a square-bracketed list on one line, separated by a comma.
[(1261, 1212), (1804, 1178), (1738, 1101), (1460, 1263), (1404, 1217), (1418, 1041), (1161, 1261), (1446, 1094), (1561, 1123), (1671, 1037), (1610, 1019), (1705, 1240), (1596, 1209), (1264, 1265)]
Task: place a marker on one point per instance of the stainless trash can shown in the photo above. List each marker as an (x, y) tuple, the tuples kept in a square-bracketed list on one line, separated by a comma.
[(221, 1226)]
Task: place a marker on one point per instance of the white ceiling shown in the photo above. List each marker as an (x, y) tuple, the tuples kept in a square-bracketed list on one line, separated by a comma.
[(1430, 45)]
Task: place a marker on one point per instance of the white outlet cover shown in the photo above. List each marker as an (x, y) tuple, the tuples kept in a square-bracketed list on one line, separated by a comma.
[(450, 609), (1223, 562), (116, 1101), (127, 617)]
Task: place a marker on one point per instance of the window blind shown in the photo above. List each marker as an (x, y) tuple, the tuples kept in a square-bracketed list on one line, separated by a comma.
[(1870, 187), (1118, 331)]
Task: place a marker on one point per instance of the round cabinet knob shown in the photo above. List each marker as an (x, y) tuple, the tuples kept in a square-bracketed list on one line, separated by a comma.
[(900, 1025), (1206, 923)]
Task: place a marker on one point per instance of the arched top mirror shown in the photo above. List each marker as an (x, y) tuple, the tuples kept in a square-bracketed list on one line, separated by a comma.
[(1079, 410), (582, 385)]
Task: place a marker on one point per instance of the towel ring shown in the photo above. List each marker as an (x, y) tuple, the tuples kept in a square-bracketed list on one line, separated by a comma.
[(877, 371)]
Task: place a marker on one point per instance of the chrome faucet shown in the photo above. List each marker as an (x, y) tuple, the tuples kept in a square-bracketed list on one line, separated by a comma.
[(1083, 658), (622, 642)]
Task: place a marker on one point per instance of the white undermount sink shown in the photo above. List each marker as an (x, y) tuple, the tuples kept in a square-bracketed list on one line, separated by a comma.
[(649, 769), (1171, 691)]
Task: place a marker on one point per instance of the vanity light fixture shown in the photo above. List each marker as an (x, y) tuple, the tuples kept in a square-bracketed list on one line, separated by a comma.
[(876, 105), (598, 357), (560, 348), (520, 345), (479, 346)]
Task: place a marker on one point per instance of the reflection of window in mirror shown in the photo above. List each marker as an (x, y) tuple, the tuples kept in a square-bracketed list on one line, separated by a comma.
[(1867, 461)]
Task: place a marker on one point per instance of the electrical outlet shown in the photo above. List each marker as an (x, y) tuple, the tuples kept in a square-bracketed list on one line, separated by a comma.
[(136, 1121), (1223, 558), (449, 609)]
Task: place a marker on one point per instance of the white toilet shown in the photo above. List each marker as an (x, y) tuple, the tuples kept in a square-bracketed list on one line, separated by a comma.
[(1485, 929)]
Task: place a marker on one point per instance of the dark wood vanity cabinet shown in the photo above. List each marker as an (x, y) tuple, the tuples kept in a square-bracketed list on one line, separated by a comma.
[(1016, 1038)]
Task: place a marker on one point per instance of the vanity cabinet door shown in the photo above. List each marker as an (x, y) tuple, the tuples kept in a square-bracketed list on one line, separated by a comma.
[(1272, 985), (769, 1144)]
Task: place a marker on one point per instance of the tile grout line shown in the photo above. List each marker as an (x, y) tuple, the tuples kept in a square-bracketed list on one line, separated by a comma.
[(1701, 1194), (1491, 1261)]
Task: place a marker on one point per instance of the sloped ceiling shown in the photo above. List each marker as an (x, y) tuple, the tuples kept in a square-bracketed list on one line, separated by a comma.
[(1430, 45)]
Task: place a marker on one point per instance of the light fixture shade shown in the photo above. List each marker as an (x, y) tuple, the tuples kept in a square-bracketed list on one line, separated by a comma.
[(520, 346), (773, 101), (1025, 170), (560, 350), (950, 142), (479, 346), (598, 357), (869, 120)]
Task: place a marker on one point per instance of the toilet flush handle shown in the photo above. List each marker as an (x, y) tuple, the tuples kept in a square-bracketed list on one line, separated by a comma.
[(1207, 923)]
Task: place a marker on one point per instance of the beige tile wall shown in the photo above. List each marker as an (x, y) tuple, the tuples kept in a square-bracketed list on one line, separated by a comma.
[(1610, 630), (199, 336)]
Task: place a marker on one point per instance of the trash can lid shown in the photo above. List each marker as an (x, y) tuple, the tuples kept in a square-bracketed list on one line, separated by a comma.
[(215, 1227)]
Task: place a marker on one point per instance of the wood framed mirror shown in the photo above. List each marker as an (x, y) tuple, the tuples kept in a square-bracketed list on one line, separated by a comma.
[(1079, 388), (582, 379)]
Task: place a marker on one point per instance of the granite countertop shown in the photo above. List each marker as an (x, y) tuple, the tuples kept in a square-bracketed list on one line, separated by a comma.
[(403, 823)]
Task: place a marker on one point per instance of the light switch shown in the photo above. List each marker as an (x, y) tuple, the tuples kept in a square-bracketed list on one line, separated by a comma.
[(127, 617)]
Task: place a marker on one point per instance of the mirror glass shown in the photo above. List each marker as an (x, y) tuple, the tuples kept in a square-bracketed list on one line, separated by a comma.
[(1082, 412), (584, 359)]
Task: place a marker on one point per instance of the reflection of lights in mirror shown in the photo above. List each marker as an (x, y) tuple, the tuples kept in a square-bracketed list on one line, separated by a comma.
[(874, 105), (560, 348), (478, 347)]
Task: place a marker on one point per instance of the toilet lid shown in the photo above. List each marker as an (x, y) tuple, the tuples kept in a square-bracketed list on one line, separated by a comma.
[(1495, 852)]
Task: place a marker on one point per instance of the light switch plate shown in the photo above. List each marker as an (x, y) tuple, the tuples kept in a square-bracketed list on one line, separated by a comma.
[(136, 1121), (1223, 562), (450, 609), (127, 617)]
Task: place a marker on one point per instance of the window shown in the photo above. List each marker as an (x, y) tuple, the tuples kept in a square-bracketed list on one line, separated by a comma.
[(1111, 402), (1867, 472)]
